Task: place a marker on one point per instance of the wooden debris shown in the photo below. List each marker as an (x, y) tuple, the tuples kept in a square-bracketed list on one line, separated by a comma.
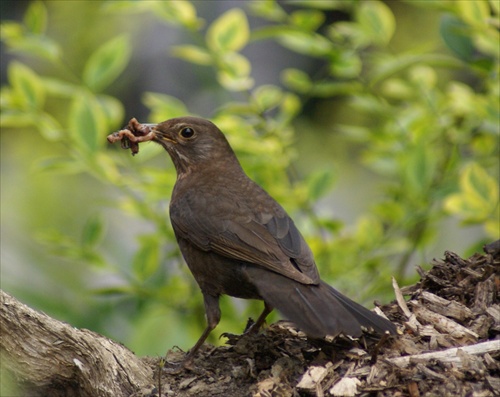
[(313, 377), (445, 307), (442, 323), (449, 345), (345, 387), (450, 355)]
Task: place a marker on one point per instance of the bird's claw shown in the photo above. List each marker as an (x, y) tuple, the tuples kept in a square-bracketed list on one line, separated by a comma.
[(176, 368)]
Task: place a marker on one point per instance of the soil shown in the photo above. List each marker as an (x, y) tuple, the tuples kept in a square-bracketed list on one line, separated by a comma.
[(454, 305)]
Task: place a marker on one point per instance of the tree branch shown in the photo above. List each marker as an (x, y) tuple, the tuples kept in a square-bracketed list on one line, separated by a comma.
[(53, 358)]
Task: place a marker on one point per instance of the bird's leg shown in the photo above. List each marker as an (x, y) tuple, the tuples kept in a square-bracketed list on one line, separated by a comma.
[(254, 328), (212, 311)]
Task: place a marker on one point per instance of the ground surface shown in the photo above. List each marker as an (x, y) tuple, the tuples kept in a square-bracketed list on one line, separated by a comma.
[(455, 304)]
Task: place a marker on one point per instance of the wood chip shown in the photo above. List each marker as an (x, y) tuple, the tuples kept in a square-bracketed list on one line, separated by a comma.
[(400, 299), (313, 377), (442, 323), (345, 387), (449, 355), (446, 307)]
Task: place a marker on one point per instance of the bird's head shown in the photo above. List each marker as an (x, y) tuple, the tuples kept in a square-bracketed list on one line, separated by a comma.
[(193, 143)]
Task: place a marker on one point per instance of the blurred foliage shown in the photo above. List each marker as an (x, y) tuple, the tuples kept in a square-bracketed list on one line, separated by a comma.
[(434, 140)]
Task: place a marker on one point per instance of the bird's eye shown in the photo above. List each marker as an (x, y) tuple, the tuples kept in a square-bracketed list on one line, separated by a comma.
[(187, 132)]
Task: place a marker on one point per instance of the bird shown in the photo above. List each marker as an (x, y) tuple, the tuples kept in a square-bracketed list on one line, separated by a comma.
[(238, 241)]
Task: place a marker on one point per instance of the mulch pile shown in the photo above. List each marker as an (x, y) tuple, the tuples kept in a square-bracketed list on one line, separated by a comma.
[(449, 346)]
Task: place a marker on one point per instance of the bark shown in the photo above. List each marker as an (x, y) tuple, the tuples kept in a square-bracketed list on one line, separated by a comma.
[(51, 358)]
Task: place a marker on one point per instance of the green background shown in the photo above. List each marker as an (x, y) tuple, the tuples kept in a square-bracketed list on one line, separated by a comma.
[(375, 124)]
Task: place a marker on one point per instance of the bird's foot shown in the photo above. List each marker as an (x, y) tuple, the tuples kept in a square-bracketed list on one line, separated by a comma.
[(232, 339), (181, 362), (252, 328), (177, 368)]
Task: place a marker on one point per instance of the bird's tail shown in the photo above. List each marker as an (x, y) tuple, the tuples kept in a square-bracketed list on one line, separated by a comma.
[(318, 310)]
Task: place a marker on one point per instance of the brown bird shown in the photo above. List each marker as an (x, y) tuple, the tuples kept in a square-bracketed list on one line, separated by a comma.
[(238, 241)]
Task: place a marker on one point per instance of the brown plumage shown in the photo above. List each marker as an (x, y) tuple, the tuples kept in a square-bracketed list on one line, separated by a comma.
[(237, 240)]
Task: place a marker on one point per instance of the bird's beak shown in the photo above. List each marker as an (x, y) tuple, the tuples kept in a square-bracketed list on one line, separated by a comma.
[(159, 135)]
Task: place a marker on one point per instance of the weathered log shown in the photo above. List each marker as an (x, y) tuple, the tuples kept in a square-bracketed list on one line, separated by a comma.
[(50, 358)]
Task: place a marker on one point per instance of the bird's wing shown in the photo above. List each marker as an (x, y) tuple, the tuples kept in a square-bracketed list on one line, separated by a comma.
[(270, 240)]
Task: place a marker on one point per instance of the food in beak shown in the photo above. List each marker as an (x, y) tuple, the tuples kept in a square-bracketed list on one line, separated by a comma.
[(134, 133)]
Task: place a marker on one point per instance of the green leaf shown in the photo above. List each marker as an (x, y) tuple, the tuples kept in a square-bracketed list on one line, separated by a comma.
[(11, 31), (307, 19), (478, 197), (423, 76), (474, 12), (462, 100), (495, 6), (59, 88), (369, 231), (479, 186), (397, 88), (163, 107), (319, 184), (114, 290), (332, 88), (486, 41), (297, 80), (108, 169), (27, 88), (40, 46), (35, 18), (234, 73), (322, 4), (307, 43), (354, 133), (147, 258), (193, 54), (391, 211), (87, 122), (106, 63), (17, 119), (91, 257), (332, 225), (49, 127), (63, 165), (387, 66), (178, 12), (237, 108), (454, 34), (347, 32), (420, 168), (377, 20), (15, 37), (289, 108), (93, 231), (492, 225), (468, 209), (269, 10), (229, 32), (112, 108), (347, 64), (127, 6), (267, 96)]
